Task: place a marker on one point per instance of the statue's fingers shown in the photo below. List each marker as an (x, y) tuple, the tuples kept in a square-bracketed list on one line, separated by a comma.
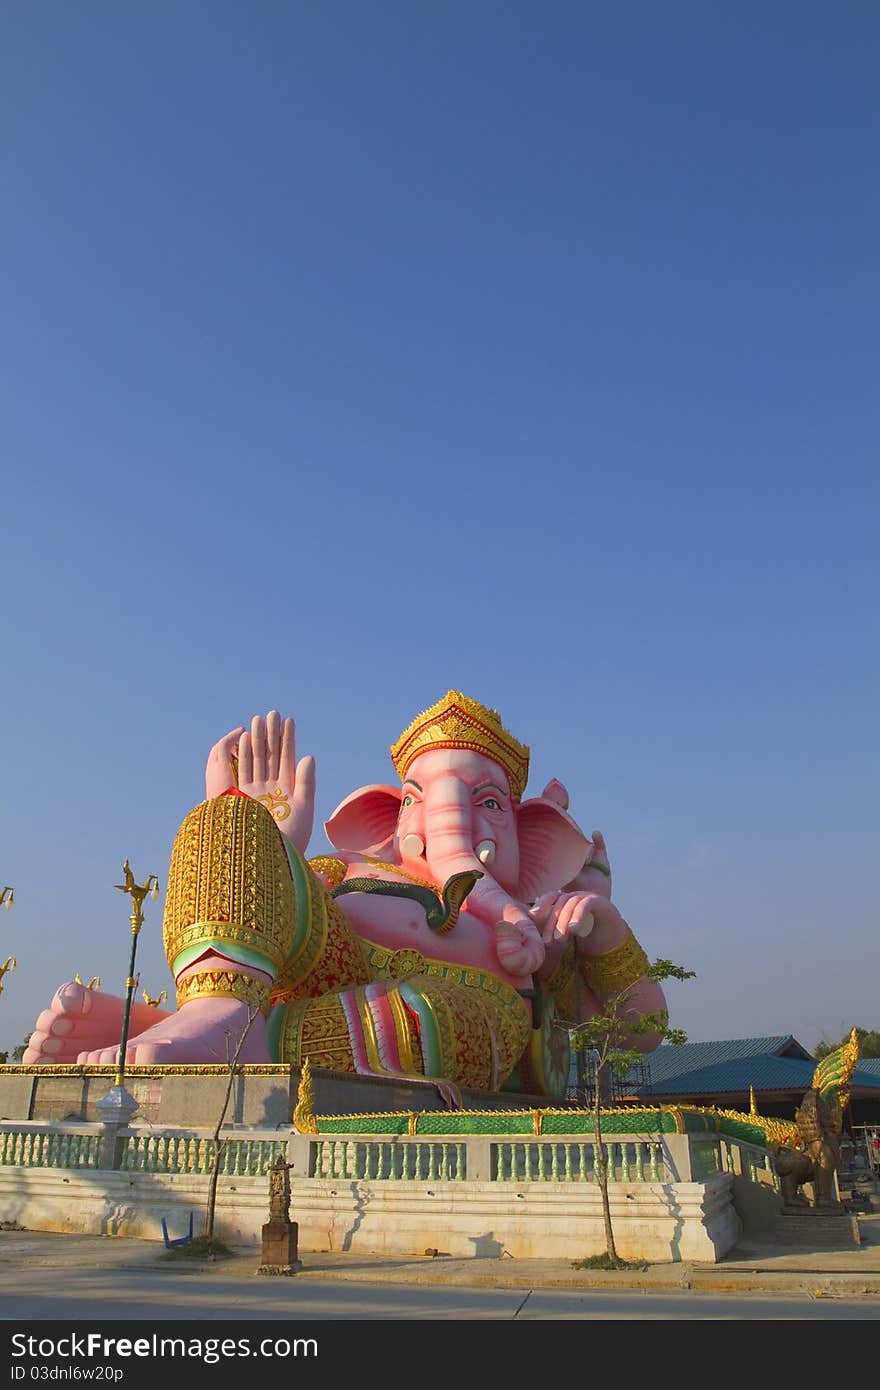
[(273, 747), (228, 743), (287, 757), (258, 745), (245, 761), (581, 923), (303, 803)]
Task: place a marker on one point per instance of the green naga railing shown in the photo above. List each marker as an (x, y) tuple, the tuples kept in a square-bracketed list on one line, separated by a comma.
[(575, 1161), (378, 1159), (632, 1158), (242, 1156), (43, 1147)]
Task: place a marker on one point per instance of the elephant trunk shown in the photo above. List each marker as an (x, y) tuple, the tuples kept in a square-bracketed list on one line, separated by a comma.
[(449, 833)]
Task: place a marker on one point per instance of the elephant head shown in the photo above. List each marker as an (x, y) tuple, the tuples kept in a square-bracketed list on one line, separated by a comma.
[(455, 812)]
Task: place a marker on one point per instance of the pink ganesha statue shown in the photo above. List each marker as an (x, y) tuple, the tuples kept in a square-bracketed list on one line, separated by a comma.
[(445, 941)]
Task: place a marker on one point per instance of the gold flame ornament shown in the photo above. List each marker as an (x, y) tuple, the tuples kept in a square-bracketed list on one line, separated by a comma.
[(304, 1121)]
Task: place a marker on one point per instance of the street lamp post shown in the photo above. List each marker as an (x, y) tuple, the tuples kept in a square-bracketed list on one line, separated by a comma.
[(137, 892), (9, 964), (7, 900), (118, 1105)]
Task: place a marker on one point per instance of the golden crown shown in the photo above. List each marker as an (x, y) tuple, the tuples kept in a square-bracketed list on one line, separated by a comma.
[(457, 722)]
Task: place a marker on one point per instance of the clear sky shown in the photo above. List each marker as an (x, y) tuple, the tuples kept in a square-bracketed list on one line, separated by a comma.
[(353, 352)]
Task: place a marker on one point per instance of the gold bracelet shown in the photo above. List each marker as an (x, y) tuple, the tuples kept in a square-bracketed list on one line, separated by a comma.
[(224, 984), (617, 969)]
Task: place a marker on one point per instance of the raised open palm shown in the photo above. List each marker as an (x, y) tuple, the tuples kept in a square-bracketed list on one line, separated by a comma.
[(262, 763)]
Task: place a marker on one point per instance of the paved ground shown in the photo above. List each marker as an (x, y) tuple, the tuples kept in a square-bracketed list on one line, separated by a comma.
[(755, 1264)]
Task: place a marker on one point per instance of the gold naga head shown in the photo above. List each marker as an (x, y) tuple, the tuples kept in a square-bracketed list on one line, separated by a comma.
[(94, 982), (159, 999)]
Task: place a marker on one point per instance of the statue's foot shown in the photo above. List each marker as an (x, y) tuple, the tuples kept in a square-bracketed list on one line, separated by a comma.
[(202, 1031), (81, 1019)]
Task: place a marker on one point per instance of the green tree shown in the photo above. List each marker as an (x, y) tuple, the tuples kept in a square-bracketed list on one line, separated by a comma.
[(19, 1051), (610, 1034), (219, 1143), (869, 1044)]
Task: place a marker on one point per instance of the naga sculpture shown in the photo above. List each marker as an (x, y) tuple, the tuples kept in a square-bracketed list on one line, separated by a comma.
[(437, 942), (819, 1120)]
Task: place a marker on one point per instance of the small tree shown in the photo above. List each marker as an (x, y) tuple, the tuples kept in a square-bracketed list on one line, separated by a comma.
[(869, 1044), (220, 1144), (609, 1033)]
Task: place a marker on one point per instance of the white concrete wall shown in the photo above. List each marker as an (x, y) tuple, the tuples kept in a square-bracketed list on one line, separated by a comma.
[(653, 1222)]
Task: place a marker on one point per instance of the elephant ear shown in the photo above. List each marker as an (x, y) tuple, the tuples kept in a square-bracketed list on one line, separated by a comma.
[(366, 820), (552, 848)]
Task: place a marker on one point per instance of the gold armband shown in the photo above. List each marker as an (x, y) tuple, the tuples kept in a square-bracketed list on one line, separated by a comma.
[(229, 887), (617, 969), (224, 984)]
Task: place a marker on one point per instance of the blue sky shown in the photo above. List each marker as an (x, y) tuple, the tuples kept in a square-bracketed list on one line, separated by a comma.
[(356, 352)]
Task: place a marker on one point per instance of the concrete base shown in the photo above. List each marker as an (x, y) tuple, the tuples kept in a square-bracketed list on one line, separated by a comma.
[(655, 1222), (263, 1097), (279, 1240)]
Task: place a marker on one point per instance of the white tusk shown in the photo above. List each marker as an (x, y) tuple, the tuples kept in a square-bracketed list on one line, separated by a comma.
[(412, 847), (485, 851)]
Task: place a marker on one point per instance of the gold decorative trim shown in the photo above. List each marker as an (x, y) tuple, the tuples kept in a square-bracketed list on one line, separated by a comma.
[(459, 722), (143, 1069), (224, 984), (329, 867), (617, 969)]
